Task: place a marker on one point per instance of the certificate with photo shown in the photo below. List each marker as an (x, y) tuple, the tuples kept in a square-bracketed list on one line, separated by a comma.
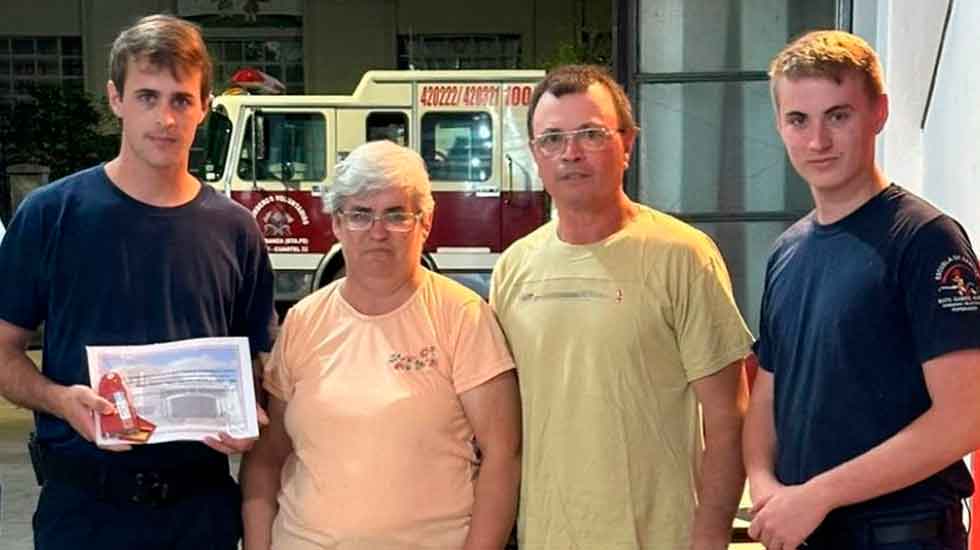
[(177, 391)]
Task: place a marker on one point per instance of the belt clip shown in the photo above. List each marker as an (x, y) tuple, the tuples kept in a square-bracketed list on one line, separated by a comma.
[(150, 489)]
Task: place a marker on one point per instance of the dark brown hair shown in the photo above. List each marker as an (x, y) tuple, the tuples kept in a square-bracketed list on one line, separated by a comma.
[(166, 42), (576, 79)]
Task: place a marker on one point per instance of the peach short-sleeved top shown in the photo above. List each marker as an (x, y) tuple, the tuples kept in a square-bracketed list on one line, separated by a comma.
[(383, 454)]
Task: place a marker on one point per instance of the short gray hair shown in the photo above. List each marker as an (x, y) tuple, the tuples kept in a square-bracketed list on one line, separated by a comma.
[(377, 166)]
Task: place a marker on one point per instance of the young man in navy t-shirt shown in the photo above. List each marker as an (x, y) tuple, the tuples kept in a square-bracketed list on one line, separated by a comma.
[(134, 251), (869, 332)]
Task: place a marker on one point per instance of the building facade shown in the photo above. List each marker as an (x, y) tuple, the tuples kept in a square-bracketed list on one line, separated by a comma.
[(312, 46)]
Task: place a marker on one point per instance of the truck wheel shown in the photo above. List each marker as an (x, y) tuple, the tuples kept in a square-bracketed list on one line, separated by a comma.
[(333, 275)]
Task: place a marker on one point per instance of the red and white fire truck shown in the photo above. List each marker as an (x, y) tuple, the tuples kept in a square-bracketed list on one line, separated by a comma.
[(276, 155)]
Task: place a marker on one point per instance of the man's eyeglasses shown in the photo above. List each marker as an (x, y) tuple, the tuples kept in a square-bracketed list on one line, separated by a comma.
[(398, 221), (550, 144)]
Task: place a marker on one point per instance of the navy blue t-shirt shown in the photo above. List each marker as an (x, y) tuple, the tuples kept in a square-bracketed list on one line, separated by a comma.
[(850, 313), (100, 268)]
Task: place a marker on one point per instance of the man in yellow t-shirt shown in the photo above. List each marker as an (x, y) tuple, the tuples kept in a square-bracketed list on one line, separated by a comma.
[(622, 323)]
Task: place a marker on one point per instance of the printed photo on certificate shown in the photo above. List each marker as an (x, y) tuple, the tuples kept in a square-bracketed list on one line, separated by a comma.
[(183, 390)]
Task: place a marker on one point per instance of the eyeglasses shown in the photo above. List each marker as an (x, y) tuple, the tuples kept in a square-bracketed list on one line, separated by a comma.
[(398, 221), (550, 144)]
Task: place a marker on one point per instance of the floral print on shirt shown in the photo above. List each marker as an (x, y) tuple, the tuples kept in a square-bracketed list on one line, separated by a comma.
[(426, 357)]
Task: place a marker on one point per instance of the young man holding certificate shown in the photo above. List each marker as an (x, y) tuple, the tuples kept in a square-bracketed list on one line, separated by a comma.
[(134, 251)]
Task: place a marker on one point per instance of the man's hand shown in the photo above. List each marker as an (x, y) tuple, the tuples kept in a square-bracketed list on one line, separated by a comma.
[(761, 487), (229, 445), (784, 518), (78, 406)]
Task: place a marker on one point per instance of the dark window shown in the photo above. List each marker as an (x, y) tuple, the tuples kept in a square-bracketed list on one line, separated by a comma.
[(42, 61), (71, 45), (47, 46), (392, 126), (23, 46), (459, 51), (458, 146), (280, 58), (210, 147)]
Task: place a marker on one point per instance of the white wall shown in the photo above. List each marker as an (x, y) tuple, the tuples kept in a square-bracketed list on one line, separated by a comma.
[(940, 161), (907, 38), (952, 134)]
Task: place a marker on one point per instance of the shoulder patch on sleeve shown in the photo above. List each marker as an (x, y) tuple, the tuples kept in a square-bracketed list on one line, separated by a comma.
[(957, 284)]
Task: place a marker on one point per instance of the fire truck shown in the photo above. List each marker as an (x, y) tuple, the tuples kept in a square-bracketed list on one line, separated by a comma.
[(276, 155)]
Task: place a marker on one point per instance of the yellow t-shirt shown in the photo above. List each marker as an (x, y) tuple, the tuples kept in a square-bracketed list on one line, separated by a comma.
[(383, 453), (607, 338)]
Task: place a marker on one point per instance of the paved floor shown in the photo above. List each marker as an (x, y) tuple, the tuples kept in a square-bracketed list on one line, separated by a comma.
[(19, 490)]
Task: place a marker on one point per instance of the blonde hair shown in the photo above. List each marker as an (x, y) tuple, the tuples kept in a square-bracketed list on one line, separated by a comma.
[(830, 55)]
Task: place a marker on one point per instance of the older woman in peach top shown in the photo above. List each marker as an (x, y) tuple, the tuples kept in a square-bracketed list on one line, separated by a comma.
[(394, 409)]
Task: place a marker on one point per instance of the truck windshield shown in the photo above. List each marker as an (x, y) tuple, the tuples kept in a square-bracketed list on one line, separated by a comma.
[(290, 147), (210, 148)]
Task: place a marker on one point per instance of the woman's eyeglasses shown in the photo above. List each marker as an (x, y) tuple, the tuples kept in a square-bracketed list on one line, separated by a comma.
[(398, 221)]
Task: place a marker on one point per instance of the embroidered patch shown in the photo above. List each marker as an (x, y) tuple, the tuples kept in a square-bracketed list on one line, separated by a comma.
[(957, 284), (426, 357)]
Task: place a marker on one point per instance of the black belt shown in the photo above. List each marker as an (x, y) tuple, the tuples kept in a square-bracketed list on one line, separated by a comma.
[(124, 485), (904, 532), (837, 534)]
